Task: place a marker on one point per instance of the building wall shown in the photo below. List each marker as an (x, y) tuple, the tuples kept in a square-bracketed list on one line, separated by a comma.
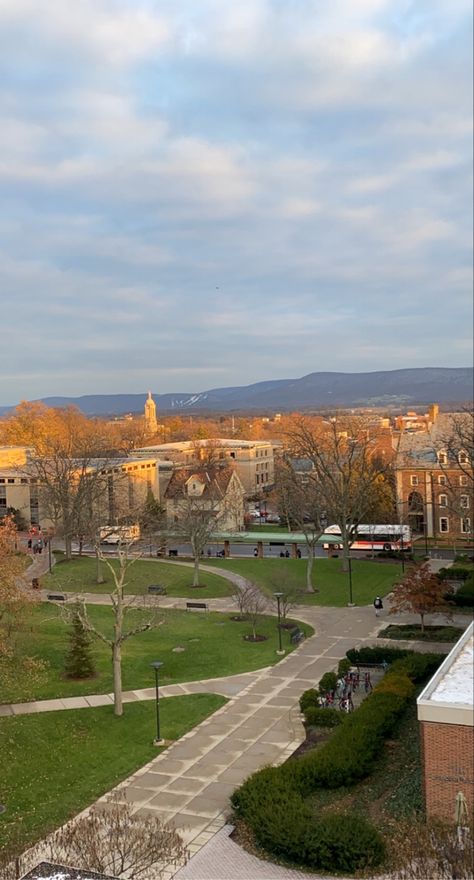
[(446, 520), (448, 753)]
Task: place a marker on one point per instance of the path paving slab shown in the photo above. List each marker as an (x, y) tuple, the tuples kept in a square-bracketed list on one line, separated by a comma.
[(99, 700)]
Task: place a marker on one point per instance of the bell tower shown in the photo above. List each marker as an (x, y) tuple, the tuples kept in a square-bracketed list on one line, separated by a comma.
[(151, 425)]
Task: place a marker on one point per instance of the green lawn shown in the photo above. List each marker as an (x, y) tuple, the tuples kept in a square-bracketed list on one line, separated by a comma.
[(369, 579), (55, 764), (213, 646), (79, 575)]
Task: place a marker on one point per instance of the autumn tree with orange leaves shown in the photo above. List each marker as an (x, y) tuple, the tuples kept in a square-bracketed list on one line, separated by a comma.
[(421, 592), (15, 604)]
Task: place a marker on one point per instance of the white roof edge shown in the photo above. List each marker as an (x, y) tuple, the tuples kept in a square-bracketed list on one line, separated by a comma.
[(427, 707)]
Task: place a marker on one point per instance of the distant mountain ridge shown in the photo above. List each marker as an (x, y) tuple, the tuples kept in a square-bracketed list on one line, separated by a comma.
[(410, 387)]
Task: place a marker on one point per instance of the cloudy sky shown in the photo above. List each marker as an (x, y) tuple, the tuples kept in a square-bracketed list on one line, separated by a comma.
[(201, 193)]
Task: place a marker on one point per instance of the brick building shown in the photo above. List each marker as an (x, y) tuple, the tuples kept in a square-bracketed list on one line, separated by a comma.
[(446, 716), (434, 480)]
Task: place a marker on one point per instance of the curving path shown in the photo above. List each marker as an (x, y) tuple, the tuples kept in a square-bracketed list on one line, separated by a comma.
[(190, 782)]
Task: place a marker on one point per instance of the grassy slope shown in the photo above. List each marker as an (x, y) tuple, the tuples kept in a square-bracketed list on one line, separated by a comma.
[(214, 646), (369, 579), (80, 575), (56, 763)]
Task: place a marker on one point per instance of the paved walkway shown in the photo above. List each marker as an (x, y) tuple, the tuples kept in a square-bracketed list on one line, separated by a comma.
[(189, 783)]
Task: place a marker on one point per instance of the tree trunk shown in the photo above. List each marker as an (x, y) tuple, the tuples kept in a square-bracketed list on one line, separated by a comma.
[(422, 622), (67, 547), (196, 570), (99, 578), (309, 571), (117, 667)]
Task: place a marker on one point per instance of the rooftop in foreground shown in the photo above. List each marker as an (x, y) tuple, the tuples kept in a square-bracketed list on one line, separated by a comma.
[(449, 697)]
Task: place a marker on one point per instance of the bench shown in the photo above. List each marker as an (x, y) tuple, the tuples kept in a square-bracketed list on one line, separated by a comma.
[(55, 597), (157, 590), (197, 606), (297, 635)]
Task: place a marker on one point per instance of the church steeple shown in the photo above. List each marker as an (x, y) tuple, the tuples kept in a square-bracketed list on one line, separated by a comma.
[(151, 425)]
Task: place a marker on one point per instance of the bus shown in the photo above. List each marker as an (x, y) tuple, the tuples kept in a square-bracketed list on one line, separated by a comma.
[(119, 534), (373, 537)]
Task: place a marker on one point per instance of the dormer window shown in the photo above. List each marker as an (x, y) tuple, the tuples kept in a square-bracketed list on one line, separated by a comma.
[(442, 458), (463, 457)]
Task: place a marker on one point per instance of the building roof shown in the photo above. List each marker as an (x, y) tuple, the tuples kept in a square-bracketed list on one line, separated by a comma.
[(48, 871), (215, 484), (449, 697)]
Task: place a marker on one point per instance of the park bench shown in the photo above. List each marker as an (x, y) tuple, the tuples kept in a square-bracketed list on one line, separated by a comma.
[(297, 635), (55, 597), (197, 606), (157, 590)]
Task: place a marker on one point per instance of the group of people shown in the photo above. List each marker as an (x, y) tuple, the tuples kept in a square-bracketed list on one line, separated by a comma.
[(341, 696), (36, 542)]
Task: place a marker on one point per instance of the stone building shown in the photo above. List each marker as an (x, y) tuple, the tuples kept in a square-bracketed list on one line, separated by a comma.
[(151, 424), (252, 460)]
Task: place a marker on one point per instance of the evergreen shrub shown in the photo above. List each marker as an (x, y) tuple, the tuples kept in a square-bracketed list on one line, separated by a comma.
[(317, 717), (309, 698), (327, 683)]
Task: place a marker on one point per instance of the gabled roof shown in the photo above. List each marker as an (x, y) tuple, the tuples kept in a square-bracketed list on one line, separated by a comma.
[(216, 483)]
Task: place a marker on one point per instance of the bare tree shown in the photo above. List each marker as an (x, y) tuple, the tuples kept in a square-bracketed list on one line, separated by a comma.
[(114, 840), (348, 472), (281, 582), (301, 500), (241, 596), (122, 607), (256, 605)]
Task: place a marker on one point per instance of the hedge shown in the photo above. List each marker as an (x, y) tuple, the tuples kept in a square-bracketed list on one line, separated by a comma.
[(272, 801), (454, 573), (317, 717), (360, 656), (309, 698), (465, 594)]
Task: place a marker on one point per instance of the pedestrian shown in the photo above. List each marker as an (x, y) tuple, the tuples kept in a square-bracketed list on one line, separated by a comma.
[(378, 605), (287, 554), (367, 683), (255, 552), (298, 553), (340, 688), (29, 543)]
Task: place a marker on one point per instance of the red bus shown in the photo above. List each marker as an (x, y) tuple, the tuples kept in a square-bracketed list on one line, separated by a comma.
[(373, 537)]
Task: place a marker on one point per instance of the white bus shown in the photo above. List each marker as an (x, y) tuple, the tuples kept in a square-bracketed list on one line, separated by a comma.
[(373, 537), (116, 534)]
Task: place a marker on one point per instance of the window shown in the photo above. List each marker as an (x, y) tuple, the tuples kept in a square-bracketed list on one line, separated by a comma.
[(414, 481), (465, 525), (464, 501), (442, 457), (444, 524), (441, 480), (443, 500), (463, 481), (463, 458)]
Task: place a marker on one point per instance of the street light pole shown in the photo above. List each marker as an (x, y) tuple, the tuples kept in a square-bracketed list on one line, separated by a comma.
[(50, 560), (350, 602), (158, 741), (278, 597)]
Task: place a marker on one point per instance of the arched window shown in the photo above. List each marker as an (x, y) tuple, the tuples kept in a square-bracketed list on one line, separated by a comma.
[(415, 501)]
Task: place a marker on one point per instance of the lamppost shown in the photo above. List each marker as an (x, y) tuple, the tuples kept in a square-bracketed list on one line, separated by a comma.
[(278, 597), (350, 602), (158, 741), (50, 558)]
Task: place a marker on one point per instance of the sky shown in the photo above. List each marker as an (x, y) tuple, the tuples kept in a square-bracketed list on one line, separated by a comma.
[(204, 193)]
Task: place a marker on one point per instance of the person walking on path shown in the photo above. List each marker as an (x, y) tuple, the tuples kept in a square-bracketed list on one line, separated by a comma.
[(378, 605)]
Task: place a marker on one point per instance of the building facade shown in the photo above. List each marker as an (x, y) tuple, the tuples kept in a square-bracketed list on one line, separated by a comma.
[(252, 460)]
